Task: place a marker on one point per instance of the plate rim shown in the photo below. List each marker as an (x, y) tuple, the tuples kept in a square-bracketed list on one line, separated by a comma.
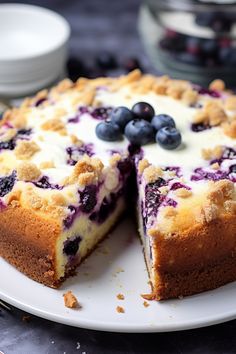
[(110, 326)]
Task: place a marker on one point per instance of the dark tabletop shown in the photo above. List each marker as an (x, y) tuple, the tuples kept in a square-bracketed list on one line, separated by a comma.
[(109, 25)]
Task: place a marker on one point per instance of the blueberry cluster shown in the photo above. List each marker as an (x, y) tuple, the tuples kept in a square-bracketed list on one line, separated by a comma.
[(104, 64), (203, 52), (140, 126)]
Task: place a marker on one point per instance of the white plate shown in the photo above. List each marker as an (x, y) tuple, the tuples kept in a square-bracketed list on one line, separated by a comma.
[(29, 32), (33, 45), (98, 282)]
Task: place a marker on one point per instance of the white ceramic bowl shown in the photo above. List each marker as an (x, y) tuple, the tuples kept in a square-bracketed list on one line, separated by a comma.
[(33, 44)]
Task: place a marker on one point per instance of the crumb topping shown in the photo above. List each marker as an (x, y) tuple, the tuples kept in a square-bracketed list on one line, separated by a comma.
[(27, 171), (86, 171), (13, 198), (46, 164), (230, 129), (142, 165), (58, 199), (75, 140), (33, 200), (183, 193), (8, 134), (169, 212), (190, 96), (217, 85), (26, 149), (214, 153), (115, 158), (212, 113), (152, 173), (55, 125), (230, 103)]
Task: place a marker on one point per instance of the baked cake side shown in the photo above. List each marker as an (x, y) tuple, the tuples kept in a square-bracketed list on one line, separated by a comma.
[(187, 201), (60, 195)]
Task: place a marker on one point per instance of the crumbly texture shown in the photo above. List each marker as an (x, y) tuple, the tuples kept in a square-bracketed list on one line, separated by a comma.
[(26, 318), (199, 259), (120, 309), (70, 300)]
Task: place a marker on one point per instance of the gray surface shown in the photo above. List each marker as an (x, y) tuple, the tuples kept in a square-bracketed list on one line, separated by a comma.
[(99, 25)]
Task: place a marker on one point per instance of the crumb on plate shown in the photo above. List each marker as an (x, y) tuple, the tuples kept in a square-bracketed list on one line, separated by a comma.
[(120, 309), (70, 300), (26, 318), (148, 296)]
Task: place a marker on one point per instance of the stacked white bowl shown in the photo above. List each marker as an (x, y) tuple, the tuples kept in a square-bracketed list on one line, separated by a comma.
[(33, 48)]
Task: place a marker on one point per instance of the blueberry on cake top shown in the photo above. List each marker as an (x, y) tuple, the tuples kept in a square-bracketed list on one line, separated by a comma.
[(68, 157)]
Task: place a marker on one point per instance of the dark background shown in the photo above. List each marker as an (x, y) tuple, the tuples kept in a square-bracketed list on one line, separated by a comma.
[(98, 26)]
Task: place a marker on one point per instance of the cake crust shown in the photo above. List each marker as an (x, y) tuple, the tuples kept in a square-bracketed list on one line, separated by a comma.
[(27, 241), (198, 259)]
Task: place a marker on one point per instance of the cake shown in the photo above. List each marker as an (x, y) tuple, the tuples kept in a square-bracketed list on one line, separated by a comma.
[(70, 158)]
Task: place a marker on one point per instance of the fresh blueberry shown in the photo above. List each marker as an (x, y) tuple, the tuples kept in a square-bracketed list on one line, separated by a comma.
[(221, 24), (125, 166), (218, 21), (161, 121), (24, 132), (88, 198), (199, 127), (121, 116), (143, 110), (209, 47), (177, 43), (106, 60), (189, 58), (193, 45), (101, 113), (139, 132), (45, 184), (232, 169), (8, 145), (76, 68), (204, 18), (166, 43), (227, 56), (7, 183), (131, 64), (68, 221), (71, 246), (211, 62), (108, 131), (169, 138)]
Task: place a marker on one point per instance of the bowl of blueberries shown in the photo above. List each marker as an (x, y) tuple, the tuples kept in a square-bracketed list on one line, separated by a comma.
[(191, 39)]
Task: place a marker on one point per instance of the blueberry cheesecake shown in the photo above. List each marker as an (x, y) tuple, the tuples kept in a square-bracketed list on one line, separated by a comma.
[(68, 159)]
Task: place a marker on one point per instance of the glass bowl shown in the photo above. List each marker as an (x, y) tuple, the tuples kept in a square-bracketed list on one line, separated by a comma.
[(191, 39)]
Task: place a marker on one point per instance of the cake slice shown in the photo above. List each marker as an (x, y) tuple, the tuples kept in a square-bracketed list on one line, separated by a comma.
[(63, 186), (187, 206), (61, 192)]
